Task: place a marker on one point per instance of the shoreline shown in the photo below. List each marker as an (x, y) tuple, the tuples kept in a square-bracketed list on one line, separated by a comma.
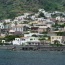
[(32, 48)]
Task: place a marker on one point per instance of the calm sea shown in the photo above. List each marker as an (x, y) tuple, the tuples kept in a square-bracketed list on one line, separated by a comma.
[(31, 57)]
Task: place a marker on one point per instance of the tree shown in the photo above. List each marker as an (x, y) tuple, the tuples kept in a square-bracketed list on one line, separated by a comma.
[(11, 15), (42, 15), (60, 33), (34, 35), (57, 43), (10, 37), (48, 29)]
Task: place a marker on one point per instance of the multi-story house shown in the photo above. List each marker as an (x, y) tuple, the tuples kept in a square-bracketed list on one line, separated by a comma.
[(19, 29), (58, 39), (26, 41)]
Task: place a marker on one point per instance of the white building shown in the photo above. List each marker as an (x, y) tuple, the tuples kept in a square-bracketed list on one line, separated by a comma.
[(26, 15), (48, 15), (30, 34), (33, 17), (7, 20), (42, 10), (58, 18), (26, 41), (19, 18)]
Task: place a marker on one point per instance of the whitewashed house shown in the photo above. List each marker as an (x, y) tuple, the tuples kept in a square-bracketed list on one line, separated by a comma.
[(26, 41), (20, 18), (42, 10), (17, 41), (41, 19), (7, 20), (48, 15), (26, 15), (33, 17), (58, 18), (36, 14)]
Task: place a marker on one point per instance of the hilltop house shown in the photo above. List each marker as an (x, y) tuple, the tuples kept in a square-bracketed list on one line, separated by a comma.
[(42, 10), (7, 20), (26, 15)]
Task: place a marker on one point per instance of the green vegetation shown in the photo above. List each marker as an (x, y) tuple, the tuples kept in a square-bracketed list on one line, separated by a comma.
[(11, 37), (12, 8), (60, 33), (34, 35), (56, 43), (1, 43), (44, 37), (42, 15), (44, 32), (58, 25)]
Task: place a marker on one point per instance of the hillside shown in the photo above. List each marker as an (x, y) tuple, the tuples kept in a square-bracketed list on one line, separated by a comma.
[(12, 8)]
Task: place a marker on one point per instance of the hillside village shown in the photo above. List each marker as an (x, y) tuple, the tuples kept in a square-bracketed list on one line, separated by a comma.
[(41, 28)]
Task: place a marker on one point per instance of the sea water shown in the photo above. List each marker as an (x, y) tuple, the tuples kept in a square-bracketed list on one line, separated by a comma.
[(32, 57)]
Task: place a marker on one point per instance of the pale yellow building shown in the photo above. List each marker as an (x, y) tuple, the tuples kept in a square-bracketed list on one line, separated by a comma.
[(57, 38)]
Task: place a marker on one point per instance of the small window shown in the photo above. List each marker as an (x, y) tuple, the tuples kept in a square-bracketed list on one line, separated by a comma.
[(23, 39), (31, 39)]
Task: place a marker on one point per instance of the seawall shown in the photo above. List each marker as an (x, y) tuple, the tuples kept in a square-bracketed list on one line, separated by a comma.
[(33, 48)]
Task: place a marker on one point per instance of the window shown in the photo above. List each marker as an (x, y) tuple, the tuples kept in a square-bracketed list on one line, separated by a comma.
[(31, 39), (23, 39)]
